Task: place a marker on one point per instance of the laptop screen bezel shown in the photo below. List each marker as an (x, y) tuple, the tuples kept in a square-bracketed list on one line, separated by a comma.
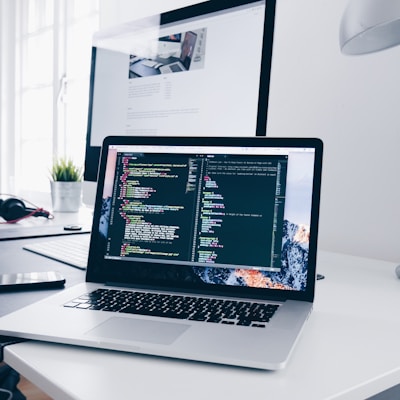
[(101, 270)]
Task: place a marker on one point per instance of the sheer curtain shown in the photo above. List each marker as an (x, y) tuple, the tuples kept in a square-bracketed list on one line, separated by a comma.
[(44, 74)]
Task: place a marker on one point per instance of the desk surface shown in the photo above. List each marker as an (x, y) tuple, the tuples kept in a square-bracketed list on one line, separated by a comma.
[(348, 350), (15, 259), (40, 226)]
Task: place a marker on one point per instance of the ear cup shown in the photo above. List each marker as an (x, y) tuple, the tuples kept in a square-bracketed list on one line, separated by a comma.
[(12, 208)]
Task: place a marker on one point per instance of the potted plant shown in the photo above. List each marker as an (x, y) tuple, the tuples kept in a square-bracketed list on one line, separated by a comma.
[(66, 185)]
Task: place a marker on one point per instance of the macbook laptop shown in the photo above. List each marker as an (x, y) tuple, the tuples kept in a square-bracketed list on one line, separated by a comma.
[(185, 59), (201, 249)]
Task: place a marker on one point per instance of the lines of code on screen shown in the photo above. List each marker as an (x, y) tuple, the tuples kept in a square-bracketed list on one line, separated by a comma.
[(218, 210)]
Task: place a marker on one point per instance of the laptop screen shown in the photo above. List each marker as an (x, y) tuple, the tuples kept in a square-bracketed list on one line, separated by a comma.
[(226, 215)]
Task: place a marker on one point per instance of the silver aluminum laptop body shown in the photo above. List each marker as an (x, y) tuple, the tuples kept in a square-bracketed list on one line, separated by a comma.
[(236, 219)]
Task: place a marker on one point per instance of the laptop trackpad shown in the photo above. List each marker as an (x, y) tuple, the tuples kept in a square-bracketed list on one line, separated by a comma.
[(138, 330)]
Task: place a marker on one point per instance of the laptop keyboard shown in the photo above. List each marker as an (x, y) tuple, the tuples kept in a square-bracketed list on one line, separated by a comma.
[(175, 306)]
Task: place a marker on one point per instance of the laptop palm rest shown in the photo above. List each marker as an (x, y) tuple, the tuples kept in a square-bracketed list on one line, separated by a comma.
[(141, 330)]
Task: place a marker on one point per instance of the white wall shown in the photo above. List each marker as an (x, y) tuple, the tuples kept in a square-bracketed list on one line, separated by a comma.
[(351, 103), (120, 11)]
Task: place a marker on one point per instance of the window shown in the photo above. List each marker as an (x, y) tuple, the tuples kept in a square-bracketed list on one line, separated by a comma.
[(50, 87)]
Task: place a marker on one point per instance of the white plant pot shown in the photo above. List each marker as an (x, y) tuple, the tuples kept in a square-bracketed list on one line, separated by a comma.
[(66, 196)]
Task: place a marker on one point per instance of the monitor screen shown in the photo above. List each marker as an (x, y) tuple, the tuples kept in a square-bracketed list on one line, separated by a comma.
[(202, 70)]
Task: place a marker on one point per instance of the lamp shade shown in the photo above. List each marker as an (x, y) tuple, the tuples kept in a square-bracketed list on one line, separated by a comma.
[(370, 25)]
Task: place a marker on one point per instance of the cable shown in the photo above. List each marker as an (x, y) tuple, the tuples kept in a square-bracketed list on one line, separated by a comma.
[(33, 212), (10, 395), (37, 209)]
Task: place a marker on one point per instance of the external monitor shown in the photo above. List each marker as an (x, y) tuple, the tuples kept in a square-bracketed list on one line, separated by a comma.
[(202, 70)]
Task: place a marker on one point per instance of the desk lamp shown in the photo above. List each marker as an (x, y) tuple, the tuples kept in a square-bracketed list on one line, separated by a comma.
[(368, 26)]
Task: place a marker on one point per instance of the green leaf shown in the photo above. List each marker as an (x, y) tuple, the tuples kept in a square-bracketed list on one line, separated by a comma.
[(66, 171)]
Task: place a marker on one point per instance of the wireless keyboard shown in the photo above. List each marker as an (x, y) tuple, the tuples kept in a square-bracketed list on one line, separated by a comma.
[(72, 250)]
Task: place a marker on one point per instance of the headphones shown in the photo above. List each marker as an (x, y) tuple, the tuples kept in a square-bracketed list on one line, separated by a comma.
[(13, 210)]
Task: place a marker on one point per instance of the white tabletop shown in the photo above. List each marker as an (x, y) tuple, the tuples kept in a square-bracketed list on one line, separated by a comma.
[(348, 350), (40, 226)]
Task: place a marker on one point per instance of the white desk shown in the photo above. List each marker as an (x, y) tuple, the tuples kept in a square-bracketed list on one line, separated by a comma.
[(348, 350), (40, 226)]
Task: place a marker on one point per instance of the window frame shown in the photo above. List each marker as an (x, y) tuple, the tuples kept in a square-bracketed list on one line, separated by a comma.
[(16, 31)]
